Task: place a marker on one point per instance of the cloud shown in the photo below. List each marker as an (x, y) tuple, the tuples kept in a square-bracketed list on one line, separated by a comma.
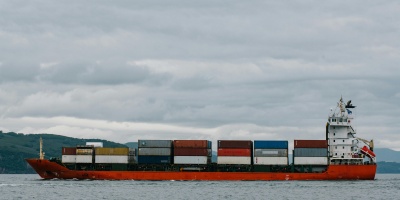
[(238, 70)]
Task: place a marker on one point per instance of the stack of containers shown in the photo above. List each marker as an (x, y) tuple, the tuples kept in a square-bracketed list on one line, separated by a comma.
[(68, 155), (84, 154), (235, 152), (192, 152), (310, 152), (154, 151), (111, 155), (270, 152)]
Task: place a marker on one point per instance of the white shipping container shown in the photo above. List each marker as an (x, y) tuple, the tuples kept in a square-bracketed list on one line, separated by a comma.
[(68, 159), (190, 159), (94, 144), (270, 160), (111, 159), (310, 160), (234, 160), (84, 158)]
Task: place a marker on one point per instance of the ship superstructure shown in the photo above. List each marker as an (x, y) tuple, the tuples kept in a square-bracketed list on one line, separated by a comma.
[(343, 145)]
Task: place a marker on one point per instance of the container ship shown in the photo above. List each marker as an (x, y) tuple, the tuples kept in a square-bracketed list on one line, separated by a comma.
[(340, 156)]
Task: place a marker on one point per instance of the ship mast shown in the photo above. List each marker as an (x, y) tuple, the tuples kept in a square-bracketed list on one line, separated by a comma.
[(41, 153)]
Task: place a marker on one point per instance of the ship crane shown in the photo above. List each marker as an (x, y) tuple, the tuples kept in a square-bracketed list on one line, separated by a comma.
[(368, 151), (370, 143)]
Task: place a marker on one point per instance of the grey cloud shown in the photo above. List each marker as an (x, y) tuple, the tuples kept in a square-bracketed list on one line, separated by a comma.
[(75, 59)]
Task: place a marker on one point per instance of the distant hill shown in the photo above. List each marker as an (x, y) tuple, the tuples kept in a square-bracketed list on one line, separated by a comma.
[(387, 155), (15, 147), (133, 145)]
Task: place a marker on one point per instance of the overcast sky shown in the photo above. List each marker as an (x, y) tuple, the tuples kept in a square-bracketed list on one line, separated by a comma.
[(129, 70)]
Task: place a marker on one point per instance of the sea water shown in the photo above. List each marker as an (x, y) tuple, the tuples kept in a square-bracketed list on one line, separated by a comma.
[(386, 186)]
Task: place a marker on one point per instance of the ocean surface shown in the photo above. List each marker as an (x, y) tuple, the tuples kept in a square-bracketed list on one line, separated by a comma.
[(386, 186)]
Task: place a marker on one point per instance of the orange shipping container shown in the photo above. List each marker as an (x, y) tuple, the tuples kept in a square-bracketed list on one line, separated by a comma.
[(68, 151), (190, 143), (234, 152)]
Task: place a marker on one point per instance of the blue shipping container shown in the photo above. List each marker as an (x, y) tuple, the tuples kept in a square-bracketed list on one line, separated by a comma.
[(154, 159), (270, 144), (209, 144)]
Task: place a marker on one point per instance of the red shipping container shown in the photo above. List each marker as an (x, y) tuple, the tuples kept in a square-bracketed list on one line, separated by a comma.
[(310, 143), (240, 144), (190, 143), (191, 152), (68, 151), (234, 152)]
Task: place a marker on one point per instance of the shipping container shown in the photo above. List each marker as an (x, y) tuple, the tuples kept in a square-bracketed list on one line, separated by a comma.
[(191, 152), (154, 152), (209, 144), (84, 151), (94, 144), (200, 160), (84, 159), (240, 144), (270, 160), (234, 152), (270, 152), (310, 160), (68, 151), (310, 143), (310, 152), (68, 159), (154, 159), (234, 160), (270, 144), (190, 144), (155, 143), (112, 151), (111, 159)]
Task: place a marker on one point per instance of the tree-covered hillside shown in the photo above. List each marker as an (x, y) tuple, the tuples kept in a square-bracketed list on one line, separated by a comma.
[(15, 147)]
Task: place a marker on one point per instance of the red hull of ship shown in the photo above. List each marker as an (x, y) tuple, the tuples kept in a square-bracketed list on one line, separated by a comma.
[(51, 170)]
